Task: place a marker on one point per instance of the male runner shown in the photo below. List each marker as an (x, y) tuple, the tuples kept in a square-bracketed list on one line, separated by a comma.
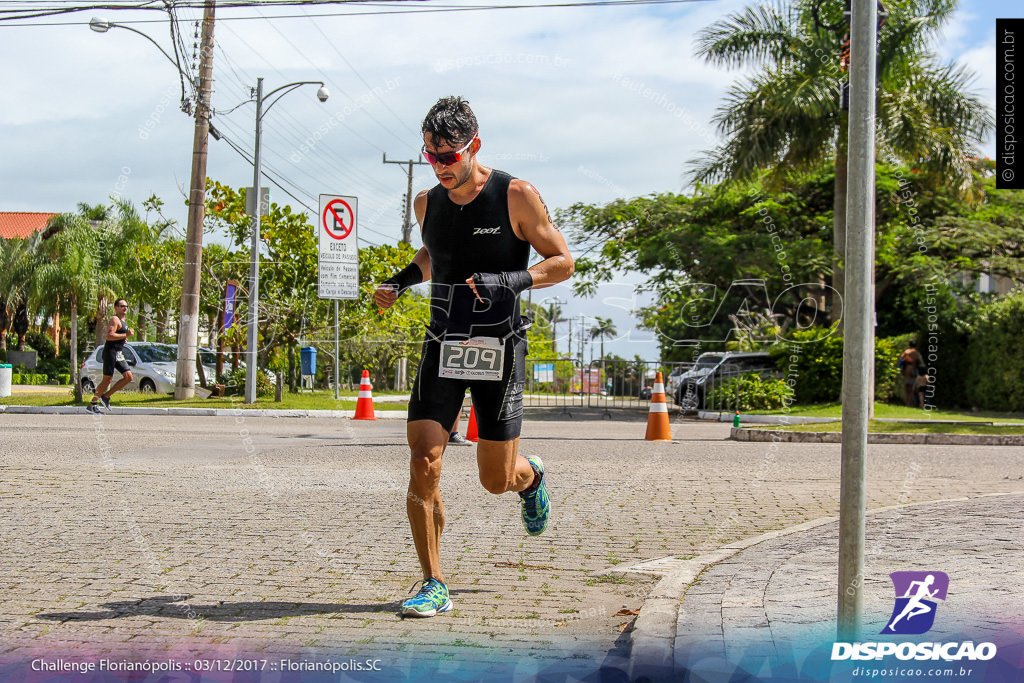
[(113, 357), (478, 225)]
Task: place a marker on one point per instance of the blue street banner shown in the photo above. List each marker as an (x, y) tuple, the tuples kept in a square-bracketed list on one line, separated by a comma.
[(229, 304)]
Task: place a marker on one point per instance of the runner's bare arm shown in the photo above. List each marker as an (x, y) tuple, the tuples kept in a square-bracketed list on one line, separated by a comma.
[(112, 329), (385, 296), (422, 258), (531, 221)]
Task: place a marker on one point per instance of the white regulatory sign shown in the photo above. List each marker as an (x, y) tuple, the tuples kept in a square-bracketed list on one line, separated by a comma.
[(338, 259)]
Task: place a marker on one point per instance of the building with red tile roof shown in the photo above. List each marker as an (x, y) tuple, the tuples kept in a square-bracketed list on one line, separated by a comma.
[(22, 223)]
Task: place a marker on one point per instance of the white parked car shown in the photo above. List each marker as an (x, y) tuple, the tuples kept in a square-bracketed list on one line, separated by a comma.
[(154, 367)]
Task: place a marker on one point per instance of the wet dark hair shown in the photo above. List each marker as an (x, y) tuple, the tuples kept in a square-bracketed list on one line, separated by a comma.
[(912, 344), (118, 301), (451, 121)]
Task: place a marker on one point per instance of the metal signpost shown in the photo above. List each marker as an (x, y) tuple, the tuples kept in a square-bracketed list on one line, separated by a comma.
[(858, 344), (338, 258)]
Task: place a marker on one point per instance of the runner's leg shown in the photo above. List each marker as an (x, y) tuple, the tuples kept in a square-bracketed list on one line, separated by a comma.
[(501, 467), (101, 387), (427, 440), (123, 382)]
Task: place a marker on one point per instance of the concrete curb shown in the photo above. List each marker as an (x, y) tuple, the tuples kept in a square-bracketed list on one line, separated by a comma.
[(780, 436), (765, 419), (201, 412), (654, 632), (655, 629)]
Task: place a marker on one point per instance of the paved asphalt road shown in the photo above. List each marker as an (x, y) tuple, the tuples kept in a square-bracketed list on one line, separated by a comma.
[(230, 536)]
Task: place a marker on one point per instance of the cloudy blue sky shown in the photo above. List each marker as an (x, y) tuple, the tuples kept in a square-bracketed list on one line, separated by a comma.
[(557, 92)]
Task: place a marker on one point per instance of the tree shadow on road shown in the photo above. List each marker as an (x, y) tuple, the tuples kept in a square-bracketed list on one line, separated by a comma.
[(180, 607)]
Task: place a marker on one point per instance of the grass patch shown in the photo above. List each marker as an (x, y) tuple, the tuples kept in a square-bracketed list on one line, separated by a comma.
[(903, 428), (307, 400), (892, 411)]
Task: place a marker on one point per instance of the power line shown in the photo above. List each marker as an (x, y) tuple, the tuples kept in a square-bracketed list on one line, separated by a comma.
[(395, 10)]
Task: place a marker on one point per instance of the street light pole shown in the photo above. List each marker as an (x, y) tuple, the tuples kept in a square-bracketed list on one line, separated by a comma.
[(256, 204), (254, 265)]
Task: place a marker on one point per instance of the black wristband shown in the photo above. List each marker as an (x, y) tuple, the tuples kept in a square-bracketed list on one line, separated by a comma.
[(501, 286), (411, 275)]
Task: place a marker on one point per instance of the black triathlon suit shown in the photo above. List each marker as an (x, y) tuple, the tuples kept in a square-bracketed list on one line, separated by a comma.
[(462, 240), (113, 353)]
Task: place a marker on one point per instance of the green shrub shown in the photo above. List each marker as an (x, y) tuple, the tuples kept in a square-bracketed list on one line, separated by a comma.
[(754, 393), (42, 344), (813, 365), (63, 379), (54, 366), (15, 378), (234, 382), (888, 380), (995, 350)]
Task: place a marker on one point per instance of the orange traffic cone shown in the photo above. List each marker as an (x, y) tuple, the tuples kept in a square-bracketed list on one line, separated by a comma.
[(364, 404), (471, 434), (658, 428)]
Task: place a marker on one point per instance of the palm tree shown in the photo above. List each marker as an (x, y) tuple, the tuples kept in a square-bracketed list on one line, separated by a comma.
[(605, 327), (71, 272), (16, 266), (787, 115)]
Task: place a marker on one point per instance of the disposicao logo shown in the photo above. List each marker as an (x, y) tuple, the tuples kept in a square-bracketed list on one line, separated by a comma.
[(913, 614), (916, 595)]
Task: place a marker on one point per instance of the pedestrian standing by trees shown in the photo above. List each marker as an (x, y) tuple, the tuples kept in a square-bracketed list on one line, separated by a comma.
[(478, 225), (909, 364), (113, 358)]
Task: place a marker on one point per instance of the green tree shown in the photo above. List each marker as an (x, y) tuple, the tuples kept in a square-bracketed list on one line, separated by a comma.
[(289, 303), (71, 272), (727, 249), (17, 263), (146, 255), (787, 114)]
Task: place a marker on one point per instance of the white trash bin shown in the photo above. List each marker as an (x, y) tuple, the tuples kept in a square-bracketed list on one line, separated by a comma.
[(5, 380)]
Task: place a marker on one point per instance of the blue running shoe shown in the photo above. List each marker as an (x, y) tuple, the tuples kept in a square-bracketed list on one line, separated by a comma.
[(431, 599), (536, 505)]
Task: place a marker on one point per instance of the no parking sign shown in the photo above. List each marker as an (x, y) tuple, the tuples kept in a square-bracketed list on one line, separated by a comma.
[(338, 259)]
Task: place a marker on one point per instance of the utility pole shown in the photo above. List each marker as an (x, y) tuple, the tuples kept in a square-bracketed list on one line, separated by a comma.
[(407, 224), (188, 320), (407, 239)]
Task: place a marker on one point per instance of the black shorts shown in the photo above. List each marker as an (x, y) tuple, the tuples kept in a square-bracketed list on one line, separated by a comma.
[(111, 362), (498, 405)]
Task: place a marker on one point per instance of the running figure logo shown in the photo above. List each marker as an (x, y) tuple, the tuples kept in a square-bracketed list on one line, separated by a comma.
[(914, 611)]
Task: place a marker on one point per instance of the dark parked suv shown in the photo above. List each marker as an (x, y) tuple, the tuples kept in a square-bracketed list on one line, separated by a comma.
[(711, 369)]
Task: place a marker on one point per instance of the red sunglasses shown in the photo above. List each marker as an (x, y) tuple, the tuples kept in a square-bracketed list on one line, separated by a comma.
[(446, 158)]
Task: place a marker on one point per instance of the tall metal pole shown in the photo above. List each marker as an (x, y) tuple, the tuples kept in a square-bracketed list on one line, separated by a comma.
[(254, 266), (337, 348), (858, 346), (188, 320)]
